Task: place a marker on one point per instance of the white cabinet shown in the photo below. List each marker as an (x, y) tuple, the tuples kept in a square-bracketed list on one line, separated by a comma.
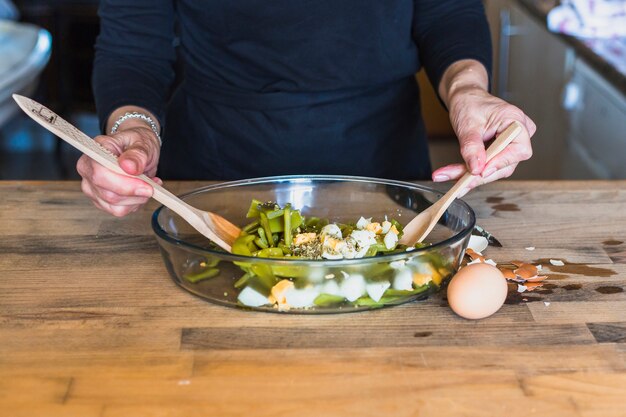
[(596, 144)]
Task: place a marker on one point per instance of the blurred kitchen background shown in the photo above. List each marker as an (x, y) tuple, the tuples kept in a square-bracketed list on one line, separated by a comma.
[(573, 87)]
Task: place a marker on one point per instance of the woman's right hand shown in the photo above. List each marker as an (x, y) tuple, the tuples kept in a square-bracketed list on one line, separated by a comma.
[(138, 150)]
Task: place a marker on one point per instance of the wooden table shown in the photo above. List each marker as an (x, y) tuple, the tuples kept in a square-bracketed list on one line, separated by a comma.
[(92, 325)]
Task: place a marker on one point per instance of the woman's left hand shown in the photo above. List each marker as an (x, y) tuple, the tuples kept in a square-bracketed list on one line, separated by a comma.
[(476, 118)]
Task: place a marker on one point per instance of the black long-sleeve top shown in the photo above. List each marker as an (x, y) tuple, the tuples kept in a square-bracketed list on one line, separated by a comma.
[(284, 86)]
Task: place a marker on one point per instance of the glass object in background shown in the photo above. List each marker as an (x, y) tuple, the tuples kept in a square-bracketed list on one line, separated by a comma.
[(8, 11), (26, 151), (25, 50)]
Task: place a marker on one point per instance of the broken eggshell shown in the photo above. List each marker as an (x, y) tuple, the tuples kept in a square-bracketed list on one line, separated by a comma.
[(478, 243)]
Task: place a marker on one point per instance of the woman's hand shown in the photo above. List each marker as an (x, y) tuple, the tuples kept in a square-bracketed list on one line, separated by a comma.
[(138, 151), (477, 117)]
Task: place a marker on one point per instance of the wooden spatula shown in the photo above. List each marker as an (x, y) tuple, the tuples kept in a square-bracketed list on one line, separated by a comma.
[(216, 228), (417, 229)]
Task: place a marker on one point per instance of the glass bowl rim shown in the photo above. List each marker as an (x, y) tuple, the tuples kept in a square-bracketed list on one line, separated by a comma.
[(459, 236)]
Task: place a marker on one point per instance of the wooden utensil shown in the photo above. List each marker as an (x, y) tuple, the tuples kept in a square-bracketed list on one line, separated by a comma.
[(216, 228), (422, 224)]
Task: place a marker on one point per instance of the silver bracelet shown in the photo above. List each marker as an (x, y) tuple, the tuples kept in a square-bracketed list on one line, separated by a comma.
[(137, 115)]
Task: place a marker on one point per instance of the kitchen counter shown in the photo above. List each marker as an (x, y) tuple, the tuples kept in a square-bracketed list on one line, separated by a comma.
[(600, 54), (92, 325)]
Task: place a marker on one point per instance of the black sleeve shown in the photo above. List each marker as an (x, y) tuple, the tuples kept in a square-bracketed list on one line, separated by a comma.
[(447, 31), (134, 57)]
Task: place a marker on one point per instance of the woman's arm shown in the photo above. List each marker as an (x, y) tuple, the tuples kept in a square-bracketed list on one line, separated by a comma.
[(476, 117), (448, 31), (455, 49), (133, 71), (121, 111), (135, 56)]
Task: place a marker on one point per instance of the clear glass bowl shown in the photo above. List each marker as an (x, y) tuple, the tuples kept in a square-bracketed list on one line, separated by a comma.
[(320, 286)]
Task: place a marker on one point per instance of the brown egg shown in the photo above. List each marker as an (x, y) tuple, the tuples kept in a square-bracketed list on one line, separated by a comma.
[(477, 291)]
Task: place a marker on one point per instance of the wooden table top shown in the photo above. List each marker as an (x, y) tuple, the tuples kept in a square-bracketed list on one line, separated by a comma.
[(92, 325)]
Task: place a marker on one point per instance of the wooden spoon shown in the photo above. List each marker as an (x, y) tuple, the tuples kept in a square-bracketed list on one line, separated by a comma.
[(417, 229), (216, 228)]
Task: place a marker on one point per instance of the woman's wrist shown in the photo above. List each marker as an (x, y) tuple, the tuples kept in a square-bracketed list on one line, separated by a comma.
[(132, 117), (460, 78)]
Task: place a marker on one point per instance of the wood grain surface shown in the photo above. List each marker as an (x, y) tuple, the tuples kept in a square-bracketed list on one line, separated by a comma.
[(92, 325)]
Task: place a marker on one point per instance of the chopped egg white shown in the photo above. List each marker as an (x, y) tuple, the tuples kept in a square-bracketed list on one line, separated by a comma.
[(403, 279), (331, 230), (386, 226), (316, 274), (363, 222), (376, 289), (353, 287), (361, 252), (390, 240), (252, 298), (331, 288), (363, 238), (421, 266), (301, 298)]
